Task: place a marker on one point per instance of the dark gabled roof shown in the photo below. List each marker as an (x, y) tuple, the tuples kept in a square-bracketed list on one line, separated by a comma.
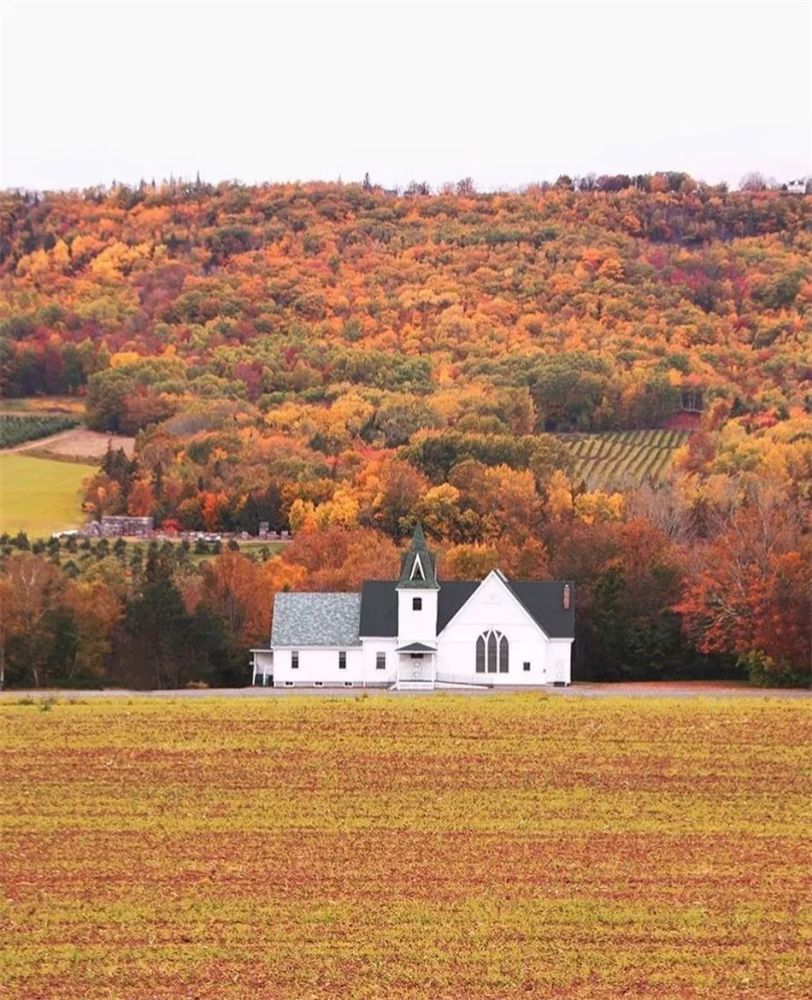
[(543, 601), (379, 608), (451, 598), (379, 605), (416, 647)]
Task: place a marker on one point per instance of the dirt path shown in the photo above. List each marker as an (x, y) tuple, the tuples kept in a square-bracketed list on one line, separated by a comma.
[(76, 442), (37, 443), (653, 689)]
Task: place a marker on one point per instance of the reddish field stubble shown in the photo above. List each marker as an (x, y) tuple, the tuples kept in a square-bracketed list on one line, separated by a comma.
[(515, 845)]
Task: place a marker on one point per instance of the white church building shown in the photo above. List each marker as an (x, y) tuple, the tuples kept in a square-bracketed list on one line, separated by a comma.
[(417, 633)]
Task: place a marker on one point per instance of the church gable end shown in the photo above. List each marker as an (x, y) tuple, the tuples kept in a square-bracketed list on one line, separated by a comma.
[(548, 604), (492, 602)]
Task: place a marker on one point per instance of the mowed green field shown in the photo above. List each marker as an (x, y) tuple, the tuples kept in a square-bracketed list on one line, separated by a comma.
[(429, 848), (39, 496)]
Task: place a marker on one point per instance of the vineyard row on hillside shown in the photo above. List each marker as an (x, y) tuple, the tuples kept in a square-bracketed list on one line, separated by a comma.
[(16, 430), (626, 458)]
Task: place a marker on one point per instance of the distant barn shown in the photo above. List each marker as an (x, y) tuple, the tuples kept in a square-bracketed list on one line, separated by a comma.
[(692, 403)]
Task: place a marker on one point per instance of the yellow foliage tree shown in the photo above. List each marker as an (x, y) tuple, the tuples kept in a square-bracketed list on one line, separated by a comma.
[(559, 504), (592, 508), (470, 561)]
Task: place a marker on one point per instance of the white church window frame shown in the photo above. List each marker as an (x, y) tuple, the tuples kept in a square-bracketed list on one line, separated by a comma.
[(492, 653)]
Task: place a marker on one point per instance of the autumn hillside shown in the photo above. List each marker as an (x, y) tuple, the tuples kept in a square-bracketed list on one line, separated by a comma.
[(340, 360), (266, 293)]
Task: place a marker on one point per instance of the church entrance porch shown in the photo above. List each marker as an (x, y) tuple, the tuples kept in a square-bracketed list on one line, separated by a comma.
[(417, 667)]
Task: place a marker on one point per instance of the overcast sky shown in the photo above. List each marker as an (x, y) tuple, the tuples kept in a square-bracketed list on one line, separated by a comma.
[(505, 93)]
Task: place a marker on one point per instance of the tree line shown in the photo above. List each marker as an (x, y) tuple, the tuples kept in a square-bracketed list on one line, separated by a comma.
[(342, 361)]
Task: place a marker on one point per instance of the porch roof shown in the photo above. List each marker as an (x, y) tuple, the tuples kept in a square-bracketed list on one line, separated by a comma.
[(416, 647)]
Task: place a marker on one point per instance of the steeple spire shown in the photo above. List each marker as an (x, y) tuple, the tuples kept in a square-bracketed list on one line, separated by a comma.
[(417, 568)]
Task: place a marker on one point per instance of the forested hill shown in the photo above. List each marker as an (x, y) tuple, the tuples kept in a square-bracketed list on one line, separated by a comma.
[(601, 303), (343, 361)]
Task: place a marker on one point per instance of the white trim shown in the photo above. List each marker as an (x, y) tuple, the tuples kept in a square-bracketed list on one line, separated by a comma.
[(418, 563)]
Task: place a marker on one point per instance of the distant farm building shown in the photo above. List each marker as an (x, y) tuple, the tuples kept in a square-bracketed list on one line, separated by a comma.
[(692, 401), (118, 525), (692, 404)]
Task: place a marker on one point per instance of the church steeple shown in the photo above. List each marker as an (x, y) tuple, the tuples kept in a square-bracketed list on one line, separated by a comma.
[(417, 568)]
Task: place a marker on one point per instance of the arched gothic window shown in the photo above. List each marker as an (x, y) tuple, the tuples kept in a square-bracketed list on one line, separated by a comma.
[(492, 653)]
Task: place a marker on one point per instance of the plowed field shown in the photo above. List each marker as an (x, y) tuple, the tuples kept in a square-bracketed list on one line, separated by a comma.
[(444, 847)]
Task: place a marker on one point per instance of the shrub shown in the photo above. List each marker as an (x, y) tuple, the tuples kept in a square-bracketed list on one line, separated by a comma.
[(763, 671)]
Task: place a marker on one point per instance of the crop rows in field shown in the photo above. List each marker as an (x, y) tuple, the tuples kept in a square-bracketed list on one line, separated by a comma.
[(422, 848), (16, 430), (623, 458)]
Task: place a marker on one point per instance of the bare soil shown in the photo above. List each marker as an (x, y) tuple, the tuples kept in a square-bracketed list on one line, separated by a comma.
[(77, 443)]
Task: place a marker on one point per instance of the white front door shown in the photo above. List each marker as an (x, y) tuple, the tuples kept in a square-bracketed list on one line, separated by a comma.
[(416, 668)]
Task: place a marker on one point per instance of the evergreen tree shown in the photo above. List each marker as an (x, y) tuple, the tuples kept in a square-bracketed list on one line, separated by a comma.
[(158, 625)]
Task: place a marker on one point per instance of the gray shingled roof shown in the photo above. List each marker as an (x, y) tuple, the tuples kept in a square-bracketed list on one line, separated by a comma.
[(316, 620)]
